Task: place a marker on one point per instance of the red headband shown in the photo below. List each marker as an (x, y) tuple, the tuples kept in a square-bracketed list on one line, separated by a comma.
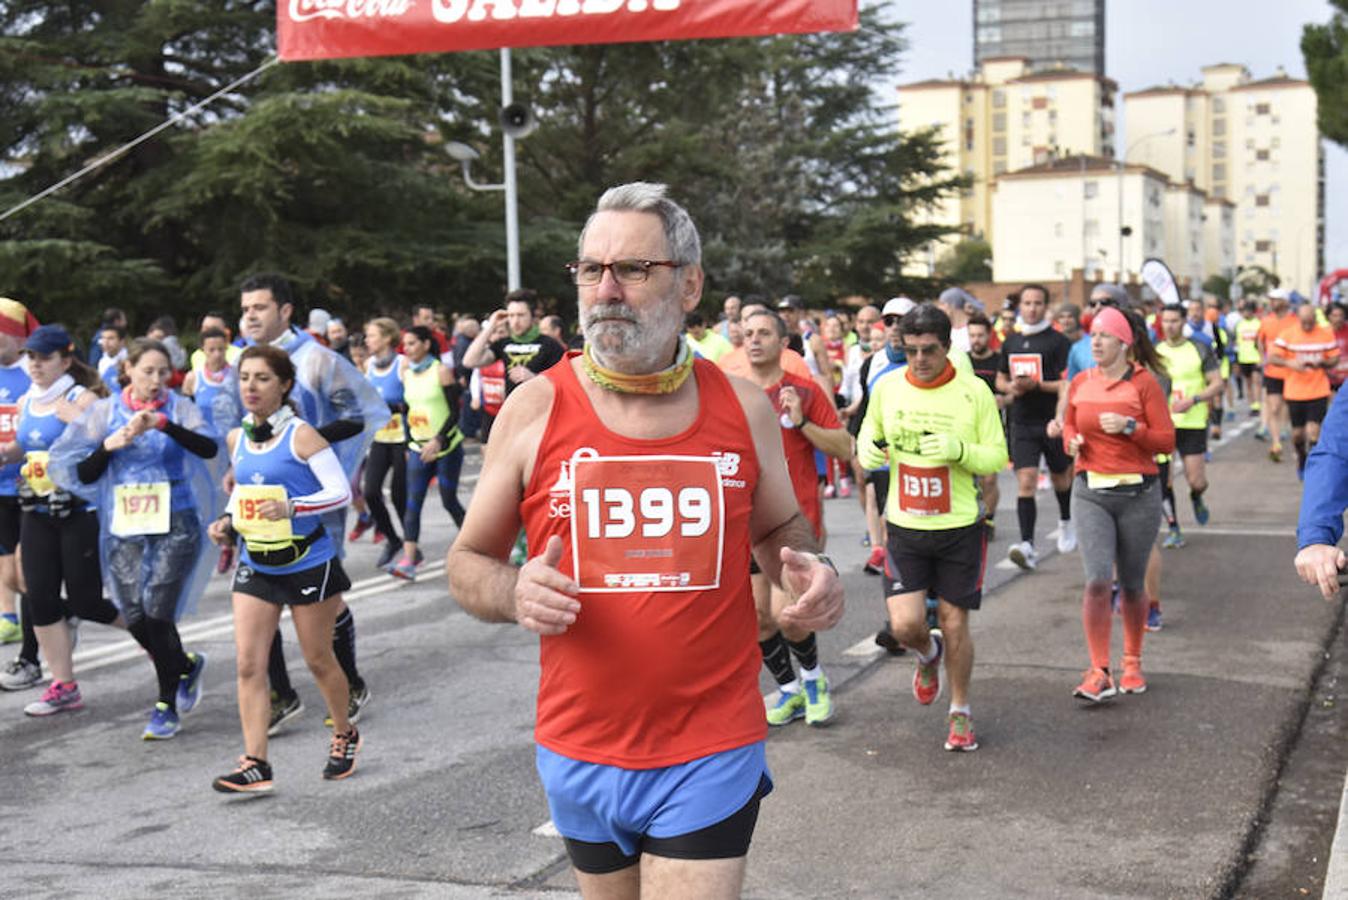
[(1111, 321)]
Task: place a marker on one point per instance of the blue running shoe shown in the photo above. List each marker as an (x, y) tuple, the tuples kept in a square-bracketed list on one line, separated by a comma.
[(1154, 618), (818, 701), (163, 724), (190, 687), (1174, 539), (1201, 512), (789, 707)]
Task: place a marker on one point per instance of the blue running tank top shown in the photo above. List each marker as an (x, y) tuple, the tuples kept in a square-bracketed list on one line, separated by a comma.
[(14, 383), (278, 464)]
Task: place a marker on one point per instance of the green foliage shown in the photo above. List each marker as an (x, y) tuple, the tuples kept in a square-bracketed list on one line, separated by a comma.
[(333, 174), (1325, 50), (969, 260), (1218, 286)]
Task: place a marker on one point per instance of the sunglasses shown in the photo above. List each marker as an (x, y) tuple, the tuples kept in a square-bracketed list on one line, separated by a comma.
[(891, 320)]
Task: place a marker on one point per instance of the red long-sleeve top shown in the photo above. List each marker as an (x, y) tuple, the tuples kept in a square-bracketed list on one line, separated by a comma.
[(1138, 396)]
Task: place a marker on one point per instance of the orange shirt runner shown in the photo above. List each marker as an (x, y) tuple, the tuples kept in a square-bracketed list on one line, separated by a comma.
[(1270, 326), (1315, 346), (799, 451), (656, 532)]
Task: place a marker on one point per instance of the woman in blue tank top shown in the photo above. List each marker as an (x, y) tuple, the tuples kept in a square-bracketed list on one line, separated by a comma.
[(388, 453), (138, 456), (59, 534), (286, 476)]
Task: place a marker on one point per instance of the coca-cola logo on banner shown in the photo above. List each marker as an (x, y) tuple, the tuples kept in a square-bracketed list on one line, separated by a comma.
[(323, 29)]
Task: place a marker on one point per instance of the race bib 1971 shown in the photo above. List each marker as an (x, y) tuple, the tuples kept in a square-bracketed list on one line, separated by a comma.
[(646, 523), (140, 509), (924, 490)]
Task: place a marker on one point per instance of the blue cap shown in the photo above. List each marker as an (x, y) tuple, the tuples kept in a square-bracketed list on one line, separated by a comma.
[(49, 339)]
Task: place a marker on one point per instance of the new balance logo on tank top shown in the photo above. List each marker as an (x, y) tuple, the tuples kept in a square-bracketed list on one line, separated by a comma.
[(656, 532)]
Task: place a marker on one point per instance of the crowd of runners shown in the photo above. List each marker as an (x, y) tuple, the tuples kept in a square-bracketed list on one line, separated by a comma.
[(651, 501)]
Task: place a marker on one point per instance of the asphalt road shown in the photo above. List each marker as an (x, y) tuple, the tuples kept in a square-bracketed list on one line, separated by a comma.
[(1167, 794)]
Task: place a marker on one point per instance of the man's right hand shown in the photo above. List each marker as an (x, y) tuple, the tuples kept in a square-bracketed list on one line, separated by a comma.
[(1319, 564), (545, 599)]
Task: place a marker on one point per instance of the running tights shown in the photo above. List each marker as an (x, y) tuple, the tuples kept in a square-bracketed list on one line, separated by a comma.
[(1097, 618), (445, 470), (60, 551), (160, 639), (384, 458)]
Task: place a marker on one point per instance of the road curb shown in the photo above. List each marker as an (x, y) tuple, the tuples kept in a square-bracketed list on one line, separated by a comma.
[(1336, 876)]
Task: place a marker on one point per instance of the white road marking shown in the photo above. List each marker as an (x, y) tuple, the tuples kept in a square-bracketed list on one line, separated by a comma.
[(218, 626), (1006, 565), (865, 648), (547, 829), (1239, 532)]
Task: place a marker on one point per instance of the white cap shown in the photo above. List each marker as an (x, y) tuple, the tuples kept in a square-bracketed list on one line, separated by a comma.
[(898, 306)]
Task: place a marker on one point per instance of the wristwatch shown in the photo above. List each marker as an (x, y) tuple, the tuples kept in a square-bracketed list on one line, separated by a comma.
[(828, 562), (1129, 425)]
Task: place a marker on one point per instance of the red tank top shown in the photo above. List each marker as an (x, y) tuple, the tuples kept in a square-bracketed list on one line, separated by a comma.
[(661, 664), (493, 387)]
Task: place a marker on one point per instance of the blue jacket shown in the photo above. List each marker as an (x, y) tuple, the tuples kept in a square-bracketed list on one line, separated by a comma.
[(1324, 496)]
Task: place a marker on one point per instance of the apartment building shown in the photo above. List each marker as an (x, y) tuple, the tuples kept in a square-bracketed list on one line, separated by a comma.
[(1002, 118), (1251, 142), (1051, 34)]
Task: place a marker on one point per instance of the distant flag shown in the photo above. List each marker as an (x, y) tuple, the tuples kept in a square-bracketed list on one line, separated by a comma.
[(1161, 280)]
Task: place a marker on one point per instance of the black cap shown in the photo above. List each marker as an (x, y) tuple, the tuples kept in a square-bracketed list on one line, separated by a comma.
[(791, 301)]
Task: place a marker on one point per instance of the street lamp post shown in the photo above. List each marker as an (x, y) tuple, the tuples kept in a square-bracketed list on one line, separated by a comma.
[(465, 155), (1121, 163)]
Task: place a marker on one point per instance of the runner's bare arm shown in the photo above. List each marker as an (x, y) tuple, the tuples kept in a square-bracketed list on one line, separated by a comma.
[(536, 596), (783, 540)]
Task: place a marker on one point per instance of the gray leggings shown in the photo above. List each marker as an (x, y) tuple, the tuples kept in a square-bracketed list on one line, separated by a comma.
[(1116, 530)]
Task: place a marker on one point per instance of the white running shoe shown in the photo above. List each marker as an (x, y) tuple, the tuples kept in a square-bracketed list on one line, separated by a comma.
[(1067, 536), (1023, 555)]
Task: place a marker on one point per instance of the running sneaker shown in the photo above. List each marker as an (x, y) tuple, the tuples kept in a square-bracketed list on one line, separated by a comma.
[(20, 674), (190, 687), (1153, 622), (1255, 409), (845, 487), (1096, 686), (1132, 681), (1173, 539), (342, 755), (866, 539), (405, 569), (828, 492), (886, 639), (226, 560), (789, 707), (1067, 536), (1275, 453), (378, 538), (283, 711), (1023, 555), (1260, 433), (991, 526), (363, 524), (875, 564), (57, 698), (1201, 511), (163, 724), (961, 737), (818, 701), (359, 696), (388, 554), (253, 776), (927, 676), (10, 632)]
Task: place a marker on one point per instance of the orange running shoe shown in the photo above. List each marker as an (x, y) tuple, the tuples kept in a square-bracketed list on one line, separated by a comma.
[(1132, 681), (927, 677), (1096, 686), (961, 737)]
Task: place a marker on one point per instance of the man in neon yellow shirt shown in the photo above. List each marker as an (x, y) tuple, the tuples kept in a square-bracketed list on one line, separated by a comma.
[(706, 341), (1248, 357), (1195, 381), (937, 428)]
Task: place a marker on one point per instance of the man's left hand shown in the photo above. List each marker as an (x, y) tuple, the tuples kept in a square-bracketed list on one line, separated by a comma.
[(817, 588), (520, 374)]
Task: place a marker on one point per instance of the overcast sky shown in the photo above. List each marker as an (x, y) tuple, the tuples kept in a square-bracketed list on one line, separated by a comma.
[(1150, 42)]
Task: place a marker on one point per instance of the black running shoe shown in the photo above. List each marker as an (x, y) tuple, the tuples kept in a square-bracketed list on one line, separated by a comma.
[(389, 554), (885, 638), (253, 776), (359, 696), (283, 711), (342, 755)]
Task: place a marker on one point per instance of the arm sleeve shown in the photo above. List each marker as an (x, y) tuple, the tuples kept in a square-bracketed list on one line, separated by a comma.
[(1325, 494), (334, 491), (869, 454), (340, 430), (1210, 363), (1156, 431), (986, 454), (451, 392), (193, 442), (92, 467)]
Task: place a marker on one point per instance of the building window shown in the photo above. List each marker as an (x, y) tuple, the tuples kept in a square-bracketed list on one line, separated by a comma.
[(1219, 172), (1190, 139), (968, 98), (1059, 268), (1219, 150), (999, 99), (1091, 228), (1219, 126), (1057, 229), (1261, 109), (1261, 155), (1039, 103), (1263, 246), (999, 121), (1092, 189), (998, 166), (1275, 142), (1218, 105), (1218, 191), (999, 146)]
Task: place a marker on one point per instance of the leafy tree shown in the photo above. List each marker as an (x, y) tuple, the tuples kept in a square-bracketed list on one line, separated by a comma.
[(1217, 285), (969, 260), (1325, 50)]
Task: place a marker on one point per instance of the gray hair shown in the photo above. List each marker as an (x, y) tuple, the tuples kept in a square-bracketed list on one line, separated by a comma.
[(681, 240)]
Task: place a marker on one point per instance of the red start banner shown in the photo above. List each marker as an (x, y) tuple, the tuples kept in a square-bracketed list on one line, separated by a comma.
[(327, 29)]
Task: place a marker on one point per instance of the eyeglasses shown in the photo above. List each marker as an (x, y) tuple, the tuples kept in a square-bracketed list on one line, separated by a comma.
[(891, 320), (625, 271), (1098, 301), (924, 350)]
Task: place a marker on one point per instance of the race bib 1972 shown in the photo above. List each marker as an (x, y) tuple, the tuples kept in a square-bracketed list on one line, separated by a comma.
[(646, 523), (246, 509)]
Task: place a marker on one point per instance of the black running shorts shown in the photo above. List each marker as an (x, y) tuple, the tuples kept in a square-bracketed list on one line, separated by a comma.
[(726, 839), (1303, 411), (1191, 441), (10, 517), (1247, 369), (1030, 440), (295, 589), (948, 563), (1272, 385)]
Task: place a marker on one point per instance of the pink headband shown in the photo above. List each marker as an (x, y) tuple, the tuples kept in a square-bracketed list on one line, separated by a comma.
[(1111, 321)]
